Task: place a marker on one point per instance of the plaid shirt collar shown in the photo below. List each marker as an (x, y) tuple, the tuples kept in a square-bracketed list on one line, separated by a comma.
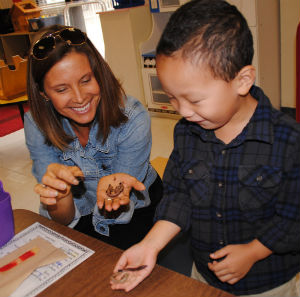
[(259, 128)]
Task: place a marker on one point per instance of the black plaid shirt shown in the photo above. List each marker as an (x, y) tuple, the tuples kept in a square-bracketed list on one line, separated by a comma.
[(233, 193)]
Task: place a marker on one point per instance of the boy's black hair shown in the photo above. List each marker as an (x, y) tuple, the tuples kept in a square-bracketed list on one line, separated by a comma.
[(209, 31)]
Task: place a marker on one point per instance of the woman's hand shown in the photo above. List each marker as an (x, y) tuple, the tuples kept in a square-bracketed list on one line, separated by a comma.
[(133, 267), (114, 190), (57, 182)]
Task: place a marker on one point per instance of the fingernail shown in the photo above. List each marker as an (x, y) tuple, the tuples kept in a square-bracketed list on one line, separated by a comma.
[(63, 187), (53, 193), (75, 181)]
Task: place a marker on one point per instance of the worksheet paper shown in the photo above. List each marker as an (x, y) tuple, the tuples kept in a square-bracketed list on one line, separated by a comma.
[(44, 276)]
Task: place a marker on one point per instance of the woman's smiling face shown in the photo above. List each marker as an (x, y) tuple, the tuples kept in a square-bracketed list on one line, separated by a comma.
[(73, 89)]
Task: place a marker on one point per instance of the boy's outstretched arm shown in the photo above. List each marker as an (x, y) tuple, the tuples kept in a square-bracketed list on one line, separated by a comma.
[(144, 254), (238, 260)]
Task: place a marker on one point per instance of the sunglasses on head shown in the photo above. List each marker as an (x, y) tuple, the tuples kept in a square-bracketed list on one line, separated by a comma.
[(43, 47)]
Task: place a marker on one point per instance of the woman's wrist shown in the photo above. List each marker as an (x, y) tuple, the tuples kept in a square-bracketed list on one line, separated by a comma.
[(64, 209)]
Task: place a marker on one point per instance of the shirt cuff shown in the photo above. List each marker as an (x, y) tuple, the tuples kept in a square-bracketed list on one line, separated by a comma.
[(44, 212)]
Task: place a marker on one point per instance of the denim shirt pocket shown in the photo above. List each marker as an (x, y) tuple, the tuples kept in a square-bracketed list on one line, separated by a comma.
[(104, 163), (258, 187), (196, 176)]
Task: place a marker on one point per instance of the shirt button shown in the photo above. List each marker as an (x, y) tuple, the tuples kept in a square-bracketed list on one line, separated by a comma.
[(259, 178), (219, 215), (190, 171), (223, 152), (220, 184), (221, 242)]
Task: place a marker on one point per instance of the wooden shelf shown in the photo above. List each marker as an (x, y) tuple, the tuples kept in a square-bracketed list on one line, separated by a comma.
[(16, 43)]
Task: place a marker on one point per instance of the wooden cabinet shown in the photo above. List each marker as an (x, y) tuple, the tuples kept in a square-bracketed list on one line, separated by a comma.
[(13, 44), (13, 82), (14, 49)]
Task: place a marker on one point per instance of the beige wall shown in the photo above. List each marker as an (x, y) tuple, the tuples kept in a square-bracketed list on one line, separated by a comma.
[(289, 17)]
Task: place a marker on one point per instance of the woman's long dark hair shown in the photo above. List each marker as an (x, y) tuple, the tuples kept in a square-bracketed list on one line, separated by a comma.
[(109, 112)]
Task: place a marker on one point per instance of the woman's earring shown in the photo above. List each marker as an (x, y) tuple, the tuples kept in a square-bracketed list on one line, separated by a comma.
[(45, 96)]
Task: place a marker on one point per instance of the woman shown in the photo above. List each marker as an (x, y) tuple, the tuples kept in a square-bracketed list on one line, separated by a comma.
[(86, 139)]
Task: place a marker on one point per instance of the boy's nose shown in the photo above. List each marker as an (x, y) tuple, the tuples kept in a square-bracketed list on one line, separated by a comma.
[(185, 110)]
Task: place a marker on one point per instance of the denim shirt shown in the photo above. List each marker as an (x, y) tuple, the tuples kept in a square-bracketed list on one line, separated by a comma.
[(127, 150)]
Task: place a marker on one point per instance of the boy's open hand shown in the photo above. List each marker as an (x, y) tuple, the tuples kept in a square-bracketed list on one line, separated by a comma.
[(114, 190), (133, 267)]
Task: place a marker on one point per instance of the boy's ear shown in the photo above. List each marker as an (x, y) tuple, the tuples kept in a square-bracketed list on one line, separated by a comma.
[(245, 79)]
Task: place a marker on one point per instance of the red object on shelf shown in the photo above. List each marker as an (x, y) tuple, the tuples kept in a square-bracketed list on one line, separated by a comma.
[(298, 74)]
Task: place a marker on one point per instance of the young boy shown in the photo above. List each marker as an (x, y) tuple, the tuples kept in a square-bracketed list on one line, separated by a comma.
[(233, 178)]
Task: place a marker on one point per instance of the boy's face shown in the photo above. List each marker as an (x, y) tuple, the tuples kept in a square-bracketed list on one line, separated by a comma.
[(197, 95)]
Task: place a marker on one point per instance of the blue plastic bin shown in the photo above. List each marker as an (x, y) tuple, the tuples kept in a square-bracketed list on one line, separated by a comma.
[(38, 23)]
